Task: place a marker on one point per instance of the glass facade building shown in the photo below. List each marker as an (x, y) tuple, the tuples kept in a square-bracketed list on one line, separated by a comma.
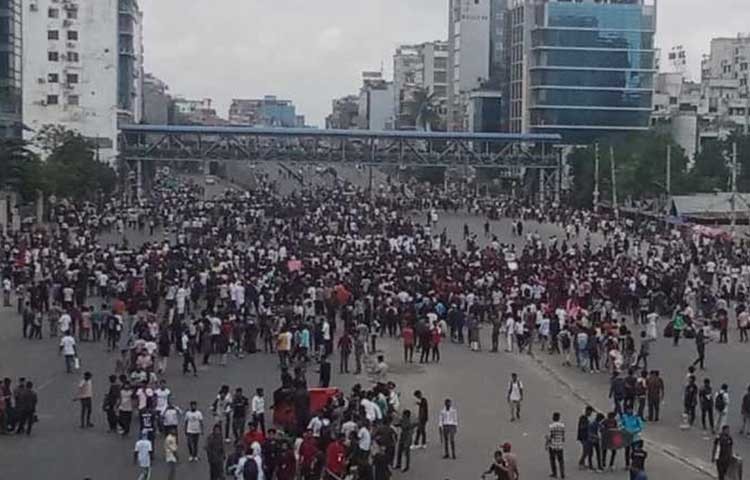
[(10, 69), (590, 67)]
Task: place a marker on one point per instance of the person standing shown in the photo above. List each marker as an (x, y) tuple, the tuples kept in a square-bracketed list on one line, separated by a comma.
[(125, 408), (240, 406), (654, 395), (584, 422), (170, 455), (745, 410), (723, 453), (407, 336), (637, 460), (707, 404), (422, 417), (110, 403), (215, 453), (142, 456), (690, 399), (258, 410), (345, 348), (193, 429), (515, 397), (26, 401), (448, 425), (556, 445), (86, 397), (407, 426)]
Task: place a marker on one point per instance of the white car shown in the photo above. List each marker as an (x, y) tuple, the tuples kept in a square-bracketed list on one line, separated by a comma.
[(210, 181)]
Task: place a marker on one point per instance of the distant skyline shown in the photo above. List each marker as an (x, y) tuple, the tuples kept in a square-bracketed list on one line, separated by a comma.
[(312, 52)]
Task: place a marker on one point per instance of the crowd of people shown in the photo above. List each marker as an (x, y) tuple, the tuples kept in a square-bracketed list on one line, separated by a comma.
[(327, 272)]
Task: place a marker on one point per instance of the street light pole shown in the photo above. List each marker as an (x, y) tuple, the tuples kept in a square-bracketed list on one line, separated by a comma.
[(614, 181), (669, 170)]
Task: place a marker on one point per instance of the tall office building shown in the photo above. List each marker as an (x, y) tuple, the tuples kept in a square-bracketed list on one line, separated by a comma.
[(419, 67), (10, 68), (468, 56), (582, 69), (83, 67)]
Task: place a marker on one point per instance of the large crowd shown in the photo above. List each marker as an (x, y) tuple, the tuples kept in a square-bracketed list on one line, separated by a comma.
[(325, 273)]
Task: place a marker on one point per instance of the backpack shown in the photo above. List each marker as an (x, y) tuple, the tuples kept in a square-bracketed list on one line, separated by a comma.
[(250, 470), (720, 402)]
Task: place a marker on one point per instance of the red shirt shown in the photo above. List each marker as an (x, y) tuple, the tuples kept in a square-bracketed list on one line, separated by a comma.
[(335, 455), (307, 452), (253, 436), (408, 335)]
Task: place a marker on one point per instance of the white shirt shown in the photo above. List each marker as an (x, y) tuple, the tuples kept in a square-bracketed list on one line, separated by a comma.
[(193, 419), (144, 448), (171, 417), (372, 411), (258, 405), (64, 322), (326, 330), (514, 390), (68, 344), (162, 395), (448, 417), (364, 439), (315, 425)]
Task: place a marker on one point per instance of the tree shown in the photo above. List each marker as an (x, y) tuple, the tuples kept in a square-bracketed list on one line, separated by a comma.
[(711, 169), (640, 162), (50, 137), (71, 170), (423, 110), (20, 168)]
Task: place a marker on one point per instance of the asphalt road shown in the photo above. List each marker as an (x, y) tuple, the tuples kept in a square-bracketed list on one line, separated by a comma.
[(476, 382)]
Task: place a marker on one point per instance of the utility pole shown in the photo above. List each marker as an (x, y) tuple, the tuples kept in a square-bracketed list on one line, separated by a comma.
[(669, 170), (614, 181), (596, 177), (734, 186)]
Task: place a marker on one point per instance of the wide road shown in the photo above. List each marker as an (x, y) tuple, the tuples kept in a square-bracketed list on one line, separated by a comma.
[(476, 381)]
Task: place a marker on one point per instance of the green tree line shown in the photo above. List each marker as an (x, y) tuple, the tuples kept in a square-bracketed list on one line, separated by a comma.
[(641, 166), (71, 169)]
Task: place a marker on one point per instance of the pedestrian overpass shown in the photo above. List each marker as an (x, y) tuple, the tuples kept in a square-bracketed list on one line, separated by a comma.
[(533, 157)]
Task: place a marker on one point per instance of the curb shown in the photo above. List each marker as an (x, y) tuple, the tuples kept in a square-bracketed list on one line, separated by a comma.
[(653, 445)]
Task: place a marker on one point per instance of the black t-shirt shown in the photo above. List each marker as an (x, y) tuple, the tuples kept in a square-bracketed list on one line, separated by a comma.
[(423, 414), (240, 405), (147, 421), (638, 459)]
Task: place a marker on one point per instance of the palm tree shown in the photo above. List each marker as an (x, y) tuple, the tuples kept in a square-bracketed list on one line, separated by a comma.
[(423, 109)]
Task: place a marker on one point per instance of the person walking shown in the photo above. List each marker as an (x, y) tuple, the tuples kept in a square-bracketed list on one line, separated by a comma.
[(215, 453), (515, 397), (700, 346), (654, 395), (721, 404), (170, 454), (258, 410), (723, 452), (142, 456), (422, 417), (555, 443), (637, 460), (193, 429), (448, 425), (85, 396), (69, 351)]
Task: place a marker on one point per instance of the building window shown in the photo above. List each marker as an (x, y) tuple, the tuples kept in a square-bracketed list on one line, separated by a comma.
[(53, 35), (72, 13), (73, 99), (53, 78), (53, 56), (73, 57), (53, 100), (53, 13), (72, 35), (72, 78)]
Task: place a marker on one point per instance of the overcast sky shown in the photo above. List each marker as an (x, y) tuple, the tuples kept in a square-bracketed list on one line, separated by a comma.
[(313, 51)]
